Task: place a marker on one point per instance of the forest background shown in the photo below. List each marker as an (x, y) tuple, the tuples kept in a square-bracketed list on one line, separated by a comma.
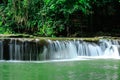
[(60, 18)]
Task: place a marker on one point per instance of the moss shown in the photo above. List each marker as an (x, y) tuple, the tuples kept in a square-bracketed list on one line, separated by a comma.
[(15, 36), (45, 39)]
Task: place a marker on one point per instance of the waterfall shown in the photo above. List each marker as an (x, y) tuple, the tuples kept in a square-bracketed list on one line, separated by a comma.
[(111, 48), (73, 49), (20, 49), (35, 49), (1, 50), (60, 50)]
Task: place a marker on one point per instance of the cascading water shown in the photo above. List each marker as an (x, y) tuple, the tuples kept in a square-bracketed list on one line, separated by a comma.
[(60, 50), (20, 49), (111, 48), (1, 50), (25, 49)]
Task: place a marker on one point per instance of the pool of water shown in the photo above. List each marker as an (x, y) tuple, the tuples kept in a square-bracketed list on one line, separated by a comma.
[(97, 69)]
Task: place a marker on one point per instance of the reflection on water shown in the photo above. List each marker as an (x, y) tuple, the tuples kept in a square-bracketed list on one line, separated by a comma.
[(74, 70)]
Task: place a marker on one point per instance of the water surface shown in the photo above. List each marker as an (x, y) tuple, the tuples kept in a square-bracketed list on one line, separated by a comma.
[(99, 69)]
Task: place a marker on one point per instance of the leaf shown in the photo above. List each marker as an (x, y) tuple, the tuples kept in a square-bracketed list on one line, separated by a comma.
[(0, 23)]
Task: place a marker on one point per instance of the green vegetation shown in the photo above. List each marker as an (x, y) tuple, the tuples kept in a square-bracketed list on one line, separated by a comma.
[(60, 17)]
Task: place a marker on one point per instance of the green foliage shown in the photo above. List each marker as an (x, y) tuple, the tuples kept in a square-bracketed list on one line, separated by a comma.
[(47, 17), (41, 15), (5, 30)]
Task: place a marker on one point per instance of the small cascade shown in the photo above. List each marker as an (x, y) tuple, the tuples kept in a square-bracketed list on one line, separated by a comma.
[(73, 49), (23, 49), (35, 49), (60, 50), (111, 48), (87, 49), (1, 50)]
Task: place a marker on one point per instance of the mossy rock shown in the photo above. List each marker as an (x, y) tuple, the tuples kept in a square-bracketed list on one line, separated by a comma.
[(15, 36)]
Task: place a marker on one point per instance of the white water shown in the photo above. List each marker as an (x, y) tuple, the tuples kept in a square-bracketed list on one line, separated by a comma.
[(59, 50), (81, 49)]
